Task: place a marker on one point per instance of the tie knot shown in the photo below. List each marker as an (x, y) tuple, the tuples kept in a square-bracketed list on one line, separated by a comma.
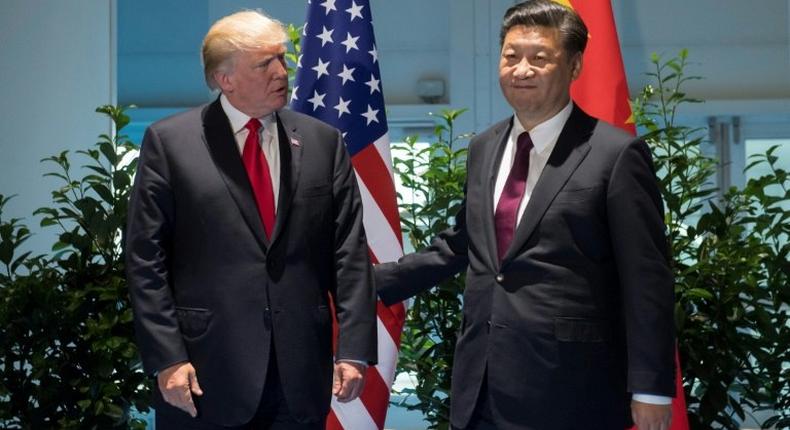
[(253, 125), (524, 142)]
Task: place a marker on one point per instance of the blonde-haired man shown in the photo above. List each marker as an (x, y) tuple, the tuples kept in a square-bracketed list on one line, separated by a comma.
[(245, 219)]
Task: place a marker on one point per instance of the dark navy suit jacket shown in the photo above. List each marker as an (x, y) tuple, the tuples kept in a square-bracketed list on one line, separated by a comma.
[(579, 312), (209, 288)]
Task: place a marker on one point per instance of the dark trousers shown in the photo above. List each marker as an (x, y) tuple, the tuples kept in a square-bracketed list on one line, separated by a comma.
[(272, 413)]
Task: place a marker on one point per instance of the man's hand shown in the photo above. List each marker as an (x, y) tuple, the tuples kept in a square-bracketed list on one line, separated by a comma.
[(177, 383), (651, 417), (349, 381)]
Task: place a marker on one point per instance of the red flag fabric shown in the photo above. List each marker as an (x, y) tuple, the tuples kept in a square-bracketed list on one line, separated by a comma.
[(602, 91), (602, 72)]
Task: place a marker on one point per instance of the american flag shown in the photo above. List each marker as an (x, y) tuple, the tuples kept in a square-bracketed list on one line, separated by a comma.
[(338, 82)]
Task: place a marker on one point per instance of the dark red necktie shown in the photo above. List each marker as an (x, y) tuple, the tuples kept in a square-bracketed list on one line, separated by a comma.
[(507, 207), (259, 174)]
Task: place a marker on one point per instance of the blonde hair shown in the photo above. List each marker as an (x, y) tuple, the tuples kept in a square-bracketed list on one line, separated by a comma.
[(242, 31)]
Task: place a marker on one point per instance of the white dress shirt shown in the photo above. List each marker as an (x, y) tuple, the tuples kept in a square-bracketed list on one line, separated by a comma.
[(269, 139), (544, 137)]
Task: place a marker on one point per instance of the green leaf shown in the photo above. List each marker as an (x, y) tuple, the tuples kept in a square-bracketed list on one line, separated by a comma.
[(103, 192), (121, 180), (108, 150), (113, 411), (57, 246)]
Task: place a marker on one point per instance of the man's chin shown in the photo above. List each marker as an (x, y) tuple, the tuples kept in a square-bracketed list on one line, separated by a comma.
[(280, 104)]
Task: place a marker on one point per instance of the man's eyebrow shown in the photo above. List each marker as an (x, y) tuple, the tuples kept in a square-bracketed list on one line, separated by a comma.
[(270, 57), (266, 60)]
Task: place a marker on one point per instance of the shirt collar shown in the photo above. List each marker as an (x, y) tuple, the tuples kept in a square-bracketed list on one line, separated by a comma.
[(545, 134), (239, 119)]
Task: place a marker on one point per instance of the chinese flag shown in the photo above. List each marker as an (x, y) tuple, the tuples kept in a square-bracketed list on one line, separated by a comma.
[(603, 74)]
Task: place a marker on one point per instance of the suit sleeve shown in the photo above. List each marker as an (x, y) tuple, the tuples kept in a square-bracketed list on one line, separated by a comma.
[(353, 294), (414, 273), (635, 212), (148, 243)]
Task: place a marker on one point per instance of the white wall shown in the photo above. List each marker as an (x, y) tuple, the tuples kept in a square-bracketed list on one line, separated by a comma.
[(56, 67), (741, 48)]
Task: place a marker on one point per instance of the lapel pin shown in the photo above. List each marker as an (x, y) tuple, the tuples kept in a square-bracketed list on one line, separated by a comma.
[(295, 142)]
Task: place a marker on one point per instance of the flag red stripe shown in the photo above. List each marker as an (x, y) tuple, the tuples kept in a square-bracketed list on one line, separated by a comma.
[(680, 419), (372, 170), (392, 319), (331, 421), (375, 396)]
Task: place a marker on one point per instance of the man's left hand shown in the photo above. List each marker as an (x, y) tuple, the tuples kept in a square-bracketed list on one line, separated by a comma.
[(349, 381), (651, 417)]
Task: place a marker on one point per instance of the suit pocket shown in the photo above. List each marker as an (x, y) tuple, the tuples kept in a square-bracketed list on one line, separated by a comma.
[(193, 322), (315, 190), (586, 330), (578, 194)]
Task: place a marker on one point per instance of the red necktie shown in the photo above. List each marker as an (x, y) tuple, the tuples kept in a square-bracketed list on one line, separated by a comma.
[(507, 207), (259, 175)]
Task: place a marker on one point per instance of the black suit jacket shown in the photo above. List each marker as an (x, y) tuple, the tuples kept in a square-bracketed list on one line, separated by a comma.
[(209, 288), (579, 313)]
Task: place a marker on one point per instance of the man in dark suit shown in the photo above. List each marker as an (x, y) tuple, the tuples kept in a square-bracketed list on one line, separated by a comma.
[(567, 311), (245, 219)]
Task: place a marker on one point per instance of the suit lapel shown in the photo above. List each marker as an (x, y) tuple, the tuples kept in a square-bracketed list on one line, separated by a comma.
[(222, 147), (491, 169), (571, 148), (290, 164)]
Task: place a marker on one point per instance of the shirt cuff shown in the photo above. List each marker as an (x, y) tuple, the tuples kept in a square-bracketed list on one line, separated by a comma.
[(652, 399), (364, 364)]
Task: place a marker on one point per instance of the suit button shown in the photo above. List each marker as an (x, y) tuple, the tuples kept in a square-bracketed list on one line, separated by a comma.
[(500, 278)]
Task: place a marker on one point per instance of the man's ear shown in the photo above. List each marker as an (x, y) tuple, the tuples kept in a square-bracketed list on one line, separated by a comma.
[(576, 65), (224, 81)]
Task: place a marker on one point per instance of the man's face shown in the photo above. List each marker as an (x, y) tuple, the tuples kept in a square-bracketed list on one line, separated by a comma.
[(535, 73), (257, 84)]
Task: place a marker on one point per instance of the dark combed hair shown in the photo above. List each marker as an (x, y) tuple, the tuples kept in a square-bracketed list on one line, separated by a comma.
[(547, 13)]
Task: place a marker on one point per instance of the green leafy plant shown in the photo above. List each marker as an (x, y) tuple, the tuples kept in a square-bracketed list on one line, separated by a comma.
[(67, 356), (730, 259), (435, 175), (294, 53)]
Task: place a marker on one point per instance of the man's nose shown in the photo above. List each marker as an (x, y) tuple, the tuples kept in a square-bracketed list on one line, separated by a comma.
[(282, 70), (523, 69)]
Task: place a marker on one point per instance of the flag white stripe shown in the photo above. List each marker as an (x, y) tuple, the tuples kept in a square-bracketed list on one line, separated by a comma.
[(381, 239), (388, 355), (353, 415), (383, 146)]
